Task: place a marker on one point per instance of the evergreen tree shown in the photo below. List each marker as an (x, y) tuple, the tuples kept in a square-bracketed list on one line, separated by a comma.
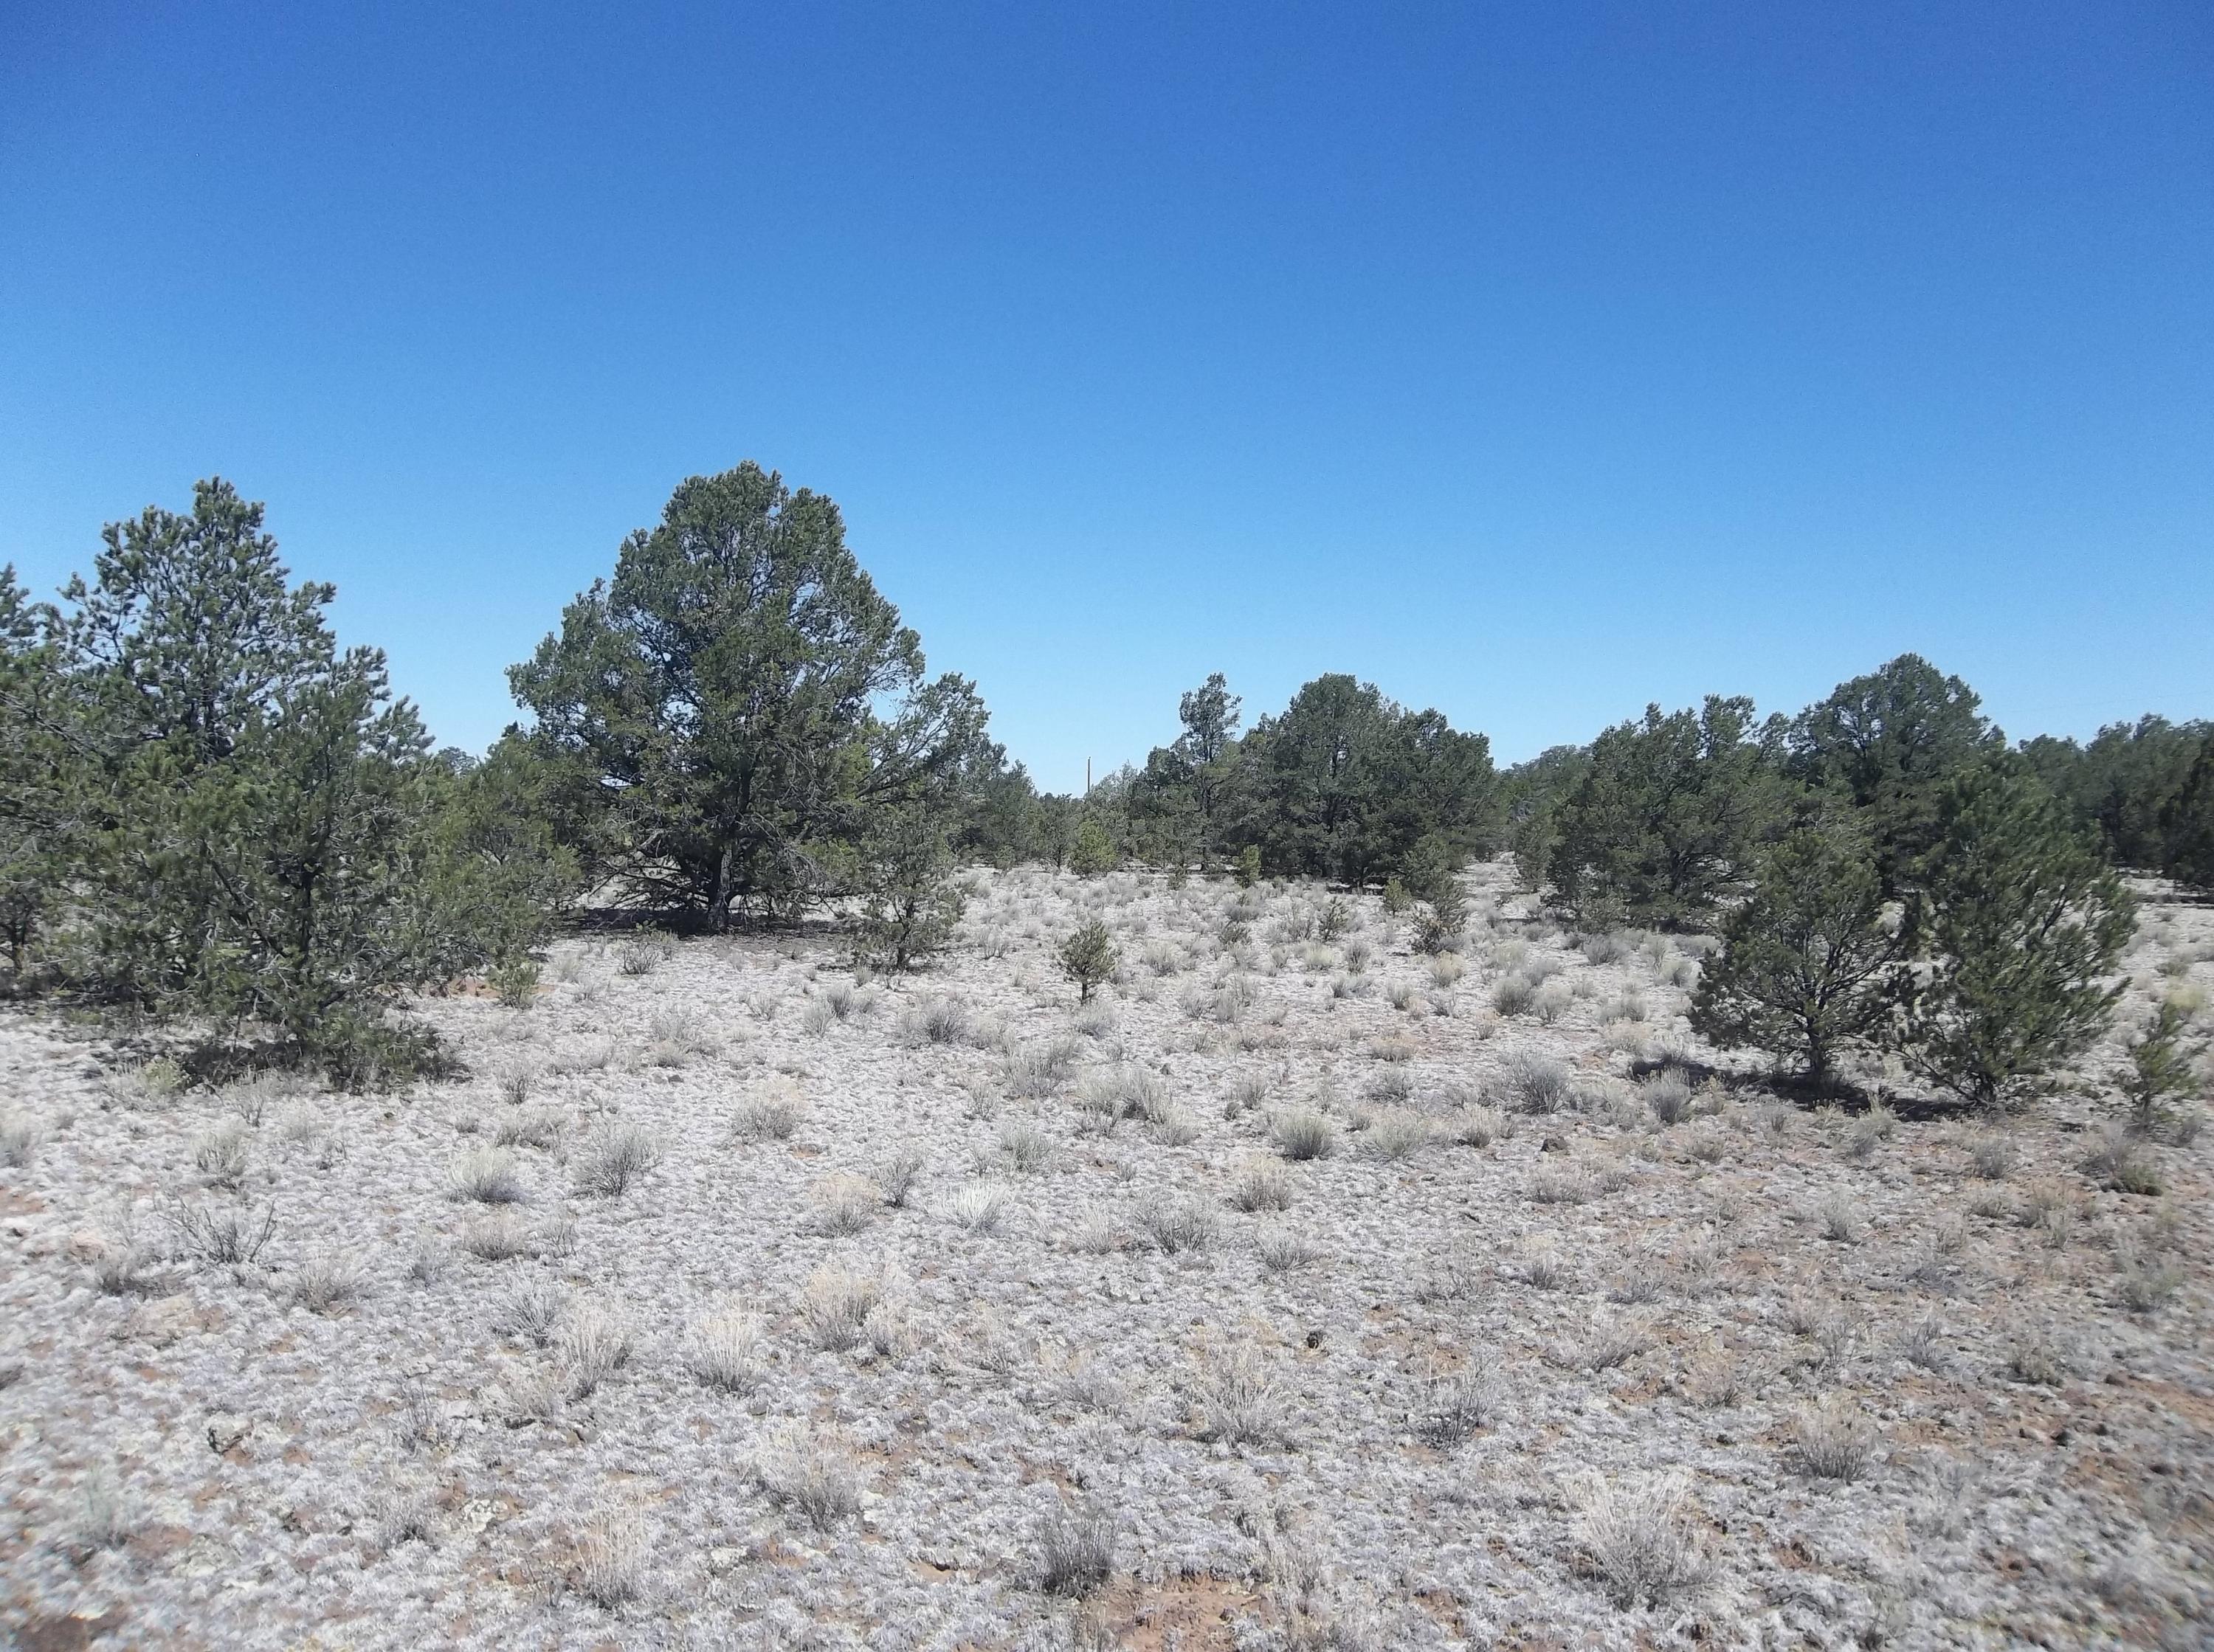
[(1809, 964), (268, 841), (1666, 817), (1889, 741), (723, 694), (2186, 821), (41, 797), (2022, 920), (909, 906)]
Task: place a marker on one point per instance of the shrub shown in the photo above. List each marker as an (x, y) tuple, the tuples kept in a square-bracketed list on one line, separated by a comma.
[(1093, 852), (642, 955), (614, 1158), (727, 1348), (980, 1206), (2163, 1065), (1027, 1148), (773, 1113), (835, 1306), (1180, 1226), (1076, 1548), (1537, 1084), (487, 1175), (1283, 1250), (2023, 921), (1640, 1539), (610, 1569), (1236, 1398), (1456, 1407), (895, 1176), (595, 1344), (220, 1153), (817, 1479), (1247, 869), (1263, 1184), (1398, 1135), (1832, 1441), (1668, 1093), (1512, 994), (514, 981), (18, 1139), (325, 1279), (1302, 1133), (1809, 963), (1088, 957)]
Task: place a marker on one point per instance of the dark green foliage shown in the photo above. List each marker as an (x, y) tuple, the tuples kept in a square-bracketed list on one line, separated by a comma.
[(1344, 785), (2186, 821), (1093, 852), (1176, 802), (1529, 794), (910, 907), (1396, 897), (1808, 964), (2128, 784), (2163, 1065), (2022, 920), (722, 693), (1089, 957), (40, 809), (1248, 870), (1888, 741), (1666, 819), (267, 842)]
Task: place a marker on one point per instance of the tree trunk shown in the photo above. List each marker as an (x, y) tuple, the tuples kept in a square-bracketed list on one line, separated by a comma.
[(719, 908)]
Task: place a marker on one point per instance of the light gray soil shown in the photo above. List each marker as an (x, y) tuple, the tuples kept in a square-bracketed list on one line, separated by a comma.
[(1570, 1386)]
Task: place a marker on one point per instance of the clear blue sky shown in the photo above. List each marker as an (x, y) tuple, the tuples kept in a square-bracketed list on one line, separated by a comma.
[(1533, 360)]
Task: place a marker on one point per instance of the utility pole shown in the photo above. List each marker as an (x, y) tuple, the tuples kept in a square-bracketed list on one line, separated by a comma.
[(1087, 777)]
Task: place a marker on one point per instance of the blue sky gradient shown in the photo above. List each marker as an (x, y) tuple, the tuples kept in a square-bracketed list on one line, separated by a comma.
[(1533, 362)]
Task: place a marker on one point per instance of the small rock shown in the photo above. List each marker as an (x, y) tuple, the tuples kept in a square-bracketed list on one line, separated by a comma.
[(1554, 1144)]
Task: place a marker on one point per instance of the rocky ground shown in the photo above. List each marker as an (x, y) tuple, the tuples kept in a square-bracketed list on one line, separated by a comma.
[(1291, 1294)]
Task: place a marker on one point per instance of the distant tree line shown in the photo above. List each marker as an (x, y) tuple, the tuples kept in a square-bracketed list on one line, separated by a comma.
[(209, 810)]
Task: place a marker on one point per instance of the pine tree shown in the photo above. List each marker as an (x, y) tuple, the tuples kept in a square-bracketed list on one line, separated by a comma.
[(1808, 964), (2023, 920), (740, 695), (1089, 957)]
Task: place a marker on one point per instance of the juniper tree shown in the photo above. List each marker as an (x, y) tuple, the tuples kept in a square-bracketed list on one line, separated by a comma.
[(1888, 741), (740, 695), (1665, 818), (909, 905), (269, 842), (1810, 962), (2023, 920)]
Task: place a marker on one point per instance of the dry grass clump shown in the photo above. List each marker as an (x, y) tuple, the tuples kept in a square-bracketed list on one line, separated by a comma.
[(1397, 1135), (498, 1238), (1076, 1548), (538, 1127), (1026, 1147), (1281, 1251), (942, 1021), (1640, 1538), (119, 1266), (1992, 1155), (814, 1475), (595, 1344), (844, 1202), (1303, 1133), (19, 1135), (834, 1306), (1039, 1070), (727, 1347), (220, 1153), (325, 1279), (1668, 1094), (609, 1568), (1263, 1184), (1832, 1440), (1458, 1407), (485, 1175), (1180, 1226), (773, 1113), (1537, 1084), (1236, 1398), (532, 1311), (614, 1158), (980, 1206)]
